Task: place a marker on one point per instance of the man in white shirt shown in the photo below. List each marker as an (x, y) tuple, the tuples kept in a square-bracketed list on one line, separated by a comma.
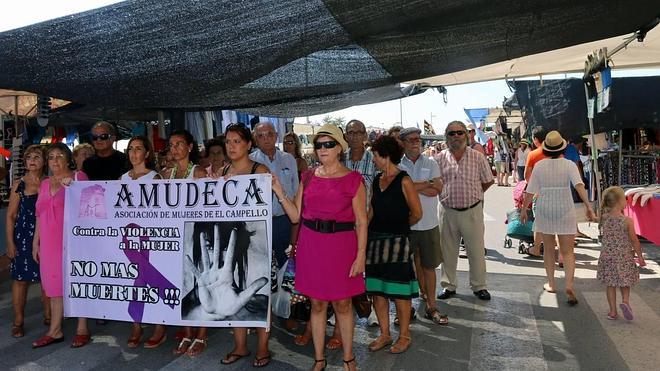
[(425, 235), (284, 166)]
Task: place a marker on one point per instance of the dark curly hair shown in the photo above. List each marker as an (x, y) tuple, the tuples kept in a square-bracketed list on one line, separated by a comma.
[(387, 146)]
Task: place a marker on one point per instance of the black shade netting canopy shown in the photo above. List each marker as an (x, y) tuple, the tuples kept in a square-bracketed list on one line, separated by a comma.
[(561, 105), (161, 54)]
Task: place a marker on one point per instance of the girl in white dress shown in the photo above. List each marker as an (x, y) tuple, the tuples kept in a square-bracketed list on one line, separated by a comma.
[(554, 212)]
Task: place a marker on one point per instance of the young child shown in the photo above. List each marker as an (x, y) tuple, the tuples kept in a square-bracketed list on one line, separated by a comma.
[(616, 265)]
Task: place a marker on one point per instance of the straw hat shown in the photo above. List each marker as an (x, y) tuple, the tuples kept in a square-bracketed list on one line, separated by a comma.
[(554, 142), (524, 141), (334, 132)]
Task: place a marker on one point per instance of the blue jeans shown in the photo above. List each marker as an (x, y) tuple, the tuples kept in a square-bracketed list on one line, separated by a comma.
[(281, 238), (521, 173)]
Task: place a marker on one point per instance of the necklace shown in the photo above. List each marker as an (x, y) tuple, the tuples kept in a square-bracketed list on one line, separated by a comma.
[(176, 170)]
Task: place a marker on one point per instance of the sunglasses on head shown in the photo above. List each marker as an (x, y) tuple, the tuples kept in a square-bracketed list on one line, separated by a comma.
[(455, 133), (329, 144), (101, 137)]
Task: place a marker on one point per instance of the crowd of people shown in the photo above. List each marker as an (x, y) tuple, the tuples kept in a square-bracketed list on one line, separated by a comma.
[(377, 219)]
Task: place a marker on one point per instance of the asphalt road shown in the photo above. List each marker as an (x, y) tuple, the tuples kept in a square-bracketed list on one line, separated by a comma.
[(522, 328)]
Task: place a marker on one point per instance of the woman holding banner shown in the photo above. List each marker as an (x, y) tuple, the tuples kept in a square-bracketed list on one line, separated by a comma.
[(184, 152), (48, 239), (330, 258), (238, 142), (142, 164), (20, 231)]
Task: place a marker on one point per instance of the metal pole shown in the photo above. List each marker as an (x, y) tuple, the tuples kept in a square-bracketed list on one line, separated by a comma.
[(400, 112), (594, 150), (620, 154)]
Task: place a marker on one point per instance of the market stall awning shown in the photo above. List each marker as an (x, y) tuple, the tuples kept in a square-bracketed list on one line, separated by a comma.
[(242, 54), (561, 105), (565, 60)]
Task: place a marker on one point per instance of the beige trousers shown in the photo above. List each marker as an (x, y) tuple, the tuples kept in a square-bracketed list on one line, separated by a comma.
[(468, 224)]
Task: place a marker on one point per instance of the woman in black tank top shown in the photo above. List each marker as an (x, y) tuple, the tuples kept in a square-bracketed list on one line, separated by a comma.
[(238, 141)]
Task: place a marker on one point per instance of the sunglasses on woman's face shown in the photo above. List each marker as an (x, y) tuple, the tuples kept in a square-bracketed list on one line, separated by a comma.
[(455, 133), (327, 145), (289, 142)]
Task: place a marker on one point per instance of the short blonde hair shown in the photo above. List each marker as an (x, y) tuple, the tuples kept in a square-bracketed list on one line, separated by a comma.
[(82, 146)]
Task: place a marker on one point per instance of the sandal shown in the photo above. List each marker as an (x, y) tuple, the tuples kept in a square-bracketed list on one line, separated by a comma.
[(380, 343), (325, 363), (546, 287), (80, 341), (397, 348), (333, 344), (232, 357), (155, 343), (612, 317), (194, 350), (46, 340), (348, 363), (572, 300), (262, 362), (302, 340), (527, 250), (134, 340), (627, 311), (183, 346), (17, 331), (434, 315)]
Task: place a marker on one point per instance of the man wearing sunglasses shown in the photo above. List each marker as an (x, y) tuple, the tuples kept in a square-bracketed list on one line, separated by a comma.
[(284, 166), (107, 163), (466, 176)]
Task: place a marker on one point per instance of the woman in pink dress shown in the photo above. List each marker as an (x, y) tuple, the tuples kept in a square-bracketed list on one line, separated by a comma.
[(330, 258), (48, 238)]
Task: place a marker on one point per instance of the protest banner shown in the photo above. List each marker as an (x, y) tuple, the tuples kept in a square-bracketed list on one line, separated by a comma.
[(176, 252)]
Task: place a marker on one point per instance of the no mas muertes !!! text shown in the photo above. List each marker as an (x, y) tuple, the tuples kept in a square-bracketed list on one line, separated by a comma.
[(85, 290)]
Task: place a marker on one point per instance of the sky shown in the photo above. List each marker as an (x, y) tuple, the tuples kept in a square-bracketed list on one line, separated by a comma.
[(414, 110)]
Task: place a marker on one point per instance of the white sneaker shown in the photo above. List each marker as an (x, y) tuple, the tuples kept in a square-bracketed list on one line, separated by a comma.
[(331, 320), (372, 320)]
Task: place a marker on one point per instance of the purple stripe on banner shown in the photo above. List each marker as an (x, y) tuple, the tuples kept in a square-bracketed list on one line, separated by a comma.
[(149, 275)]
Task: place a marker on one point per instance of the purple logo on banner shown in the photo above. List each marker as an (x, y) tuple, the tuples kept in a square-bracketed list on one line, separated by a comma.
[(150, 276)]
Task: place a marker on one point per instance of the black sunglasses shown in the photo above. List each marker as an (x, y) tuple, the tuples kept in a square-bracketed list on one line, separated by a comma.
[(471, 131), (327, 145), (101, 137), (455, 133)]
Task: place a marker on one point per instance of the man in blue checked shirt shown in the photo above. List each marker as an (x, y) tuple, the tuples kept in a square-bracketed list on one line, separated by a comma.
[(283, 165)]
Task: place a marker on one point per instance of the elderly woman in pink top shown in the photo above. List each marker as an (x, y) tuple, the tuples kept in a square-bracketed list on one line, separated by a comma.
[(48, 239)]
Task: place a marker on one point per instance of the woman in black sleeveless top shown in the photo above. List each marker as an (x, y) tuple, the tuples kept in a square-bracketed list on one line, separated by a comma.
[(395, 206)]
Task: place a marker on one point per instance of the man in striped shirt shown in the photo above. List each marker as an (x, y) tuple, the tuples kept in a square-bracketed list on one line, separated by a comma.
[(359, 158), (466, 176)]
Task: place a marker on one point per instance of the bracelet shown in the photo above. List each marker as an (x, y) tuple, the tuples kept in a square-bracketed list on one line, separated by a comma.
[(282, 200)]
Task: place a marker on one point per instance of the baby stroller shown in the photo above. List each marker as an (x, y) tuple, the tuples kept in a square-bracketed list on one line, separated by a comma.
[(515, 230)]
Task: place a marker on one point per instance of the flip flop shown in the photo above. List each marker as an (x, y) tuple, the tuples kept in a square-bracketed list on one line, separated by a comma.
[(397, 348), (262, 362), (612, 317), (194, 351), (183, 346), (151, 343), (627, 311), (572, 299), (232, 358), (46, 340)]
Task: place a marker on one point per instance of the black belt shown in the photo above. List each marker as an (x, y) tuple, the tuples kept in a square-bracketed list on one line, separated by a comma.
[(467, 208), (328, 226)]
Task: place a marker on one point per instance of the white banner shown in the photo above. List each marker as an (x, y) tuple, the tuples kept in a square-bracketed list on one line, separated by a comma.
[(154, 251)]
